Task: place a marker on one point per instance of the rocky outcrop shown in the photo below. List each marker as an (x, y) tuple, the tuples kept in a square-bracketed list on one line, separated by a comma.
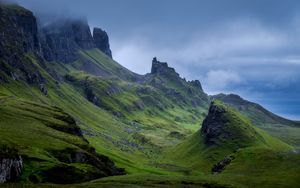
[(196, 84), (177, 89), (102, 164), (227, 128), (62, 40), (101, 41), (19, 32), (18, 36), (212, 126), (43, 89), (69, 125), (220, 166), (10, 169), (11, 164), (162, 68), (57, 41)]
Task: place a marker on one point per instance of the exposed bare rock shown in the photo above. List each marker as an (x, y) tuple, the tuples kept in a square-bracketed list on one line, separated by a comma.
[(220, 166), (101, 41), (10, 169)]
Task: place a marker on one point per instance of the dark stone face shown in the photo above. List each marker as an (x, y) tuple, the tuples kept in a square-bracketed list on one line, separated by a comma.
[(18, 36), (18, 31), (101, 41), (197, 84), (62, 40), (58, 41), (213, 124), (162, 68), (221, 165)]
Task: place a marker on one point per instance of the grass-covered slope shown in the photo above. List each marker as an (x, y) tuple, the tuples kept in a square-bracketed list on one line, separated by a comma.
[(132, 124), (224, 132), (137, 139), (97, 63), (166, 114), (256, 158), (282, 128), (53, 114), (50, 143), (236, 151)]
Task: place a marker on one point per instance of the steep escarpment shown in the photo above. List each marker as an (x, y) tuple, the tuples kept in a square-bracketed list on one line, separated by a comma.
[(62, 40), (18, 35), (57, 41), (18, 31), (101, 41)]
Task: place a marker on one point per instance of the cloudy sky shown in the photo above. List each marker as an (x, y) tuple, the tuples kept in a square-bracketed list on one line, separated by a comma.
[(247, 47)]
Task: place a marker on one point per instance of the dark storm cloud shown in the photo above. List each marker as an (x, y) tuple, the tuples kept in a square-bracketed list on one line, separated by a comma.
[(249, 47)]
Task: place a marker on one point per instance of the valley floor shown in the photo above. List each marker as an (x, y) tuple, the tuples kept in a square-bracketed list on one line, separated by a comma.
[(149, 180)]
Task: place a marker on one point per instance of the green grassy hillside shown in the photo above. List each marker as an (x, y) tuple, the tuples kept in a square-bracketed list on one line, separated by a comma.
[(252, 151), (133, 123), (148, 124), (71, 122), (282, 128), (49, 142), (228, 133)]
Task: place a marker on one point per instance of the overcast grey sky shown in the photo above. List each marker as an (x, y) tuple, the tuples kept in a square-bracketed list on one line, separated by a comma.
[(248, 47)]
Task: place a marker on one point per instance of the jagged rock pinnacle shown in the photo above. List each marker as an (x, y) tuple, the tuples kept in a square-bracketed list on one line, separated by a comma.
[(101, 41), (161, 68)]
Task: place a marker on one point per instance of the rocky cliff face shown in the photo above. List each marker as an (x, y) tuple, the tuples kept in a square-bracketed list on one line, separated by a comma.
[(162, 68), (10, 169), (213, 124), (11, 164), (196, 84), (18, 31), (62, 40), (101, 41), (226, 127), (58, 41), (18, 36)]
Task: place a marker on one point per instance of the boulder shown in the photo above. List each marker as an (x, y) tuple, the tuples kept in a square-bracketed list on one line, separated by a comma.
[(220, 166)]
